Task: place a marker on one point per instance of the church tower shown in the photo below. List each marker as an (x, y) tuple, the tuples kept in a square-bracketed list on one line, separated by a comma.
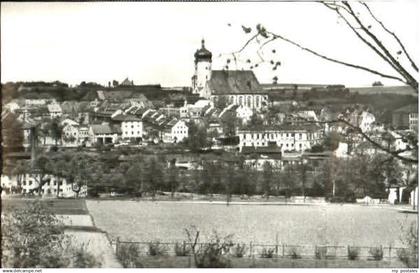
[(202, 71)]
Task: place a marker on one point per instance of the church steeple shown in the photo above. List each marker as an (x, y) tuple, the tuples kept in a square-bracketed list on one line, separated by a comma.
[(202, 54), (202, 69)]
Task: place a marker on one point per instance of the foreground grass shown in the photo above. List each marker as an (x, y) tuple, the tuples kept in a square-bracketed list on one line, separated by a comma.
[(187, 262)]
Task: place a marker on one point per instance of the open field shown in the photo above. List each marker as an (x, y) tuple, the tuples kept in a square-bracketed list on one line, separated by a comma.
[(303, 225), (57, 206)]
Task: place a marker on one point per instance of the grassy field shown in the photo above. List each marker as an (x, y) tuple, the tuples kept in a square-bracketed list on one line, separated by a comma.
[(57, 206), (307, 225)]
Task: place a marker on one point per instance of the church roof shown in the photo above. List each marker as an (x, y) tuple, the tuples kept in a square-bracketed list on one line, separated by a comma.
[(234, 82)]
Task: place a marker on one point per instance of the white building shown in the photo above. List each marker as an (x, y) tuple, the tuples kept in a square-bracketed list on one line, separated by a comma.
[(366, 121), (104, 133), (54, 110), (413, 121), (288, 138), (55, 187), (244, 113), (174, 131), (131, 126)]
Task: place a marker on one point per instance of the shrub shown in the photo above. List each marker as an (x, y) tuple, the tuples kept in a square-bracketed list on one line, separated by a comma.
[(377, 253), (209, 255), (409, 256), (353, 252), (320, 252), (294, 253), (267, 253), (182, 249), (239, 250), (84, 259), (129, 255), (156, 249)]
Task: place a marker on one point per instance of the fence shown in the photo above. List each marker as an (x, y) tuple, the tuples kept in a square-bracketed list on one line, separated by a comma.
[(280, 250)]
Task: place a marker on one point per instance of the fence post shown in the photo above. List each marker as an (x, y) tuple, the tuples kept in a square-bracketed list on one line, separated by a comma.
[(250, 249), (389, 252), (277, 245), (282, 251), (117, 246)]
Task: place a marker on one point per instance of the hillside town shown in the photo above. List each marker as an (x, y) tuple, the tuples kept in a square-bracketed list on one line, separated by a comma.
[(226, 134)]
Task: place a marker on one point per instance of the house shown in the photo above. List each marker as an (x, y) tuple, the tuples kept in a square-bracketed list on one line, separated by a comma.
[(28, 183), (244, 113), (366, 121), (288, 137), (54, 110), (70, 135), (174, 131), (195, 110), (406, 117), (104, 133), (131, 126), (239, 87)]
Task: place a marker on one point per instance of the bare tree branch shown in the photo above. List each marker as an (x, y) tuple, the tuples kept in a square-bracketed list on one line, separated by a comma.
[(401, 70), (354, 29), (413, 64), (337, 61)]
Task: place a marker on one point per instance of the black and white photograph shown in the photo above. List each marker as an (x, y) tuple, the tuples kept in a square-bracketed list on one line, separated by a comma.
[(266, 134)]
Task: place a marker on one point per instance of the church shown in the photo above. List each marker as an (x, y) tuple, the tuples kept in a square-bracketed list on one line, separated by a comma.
[(239, 87)]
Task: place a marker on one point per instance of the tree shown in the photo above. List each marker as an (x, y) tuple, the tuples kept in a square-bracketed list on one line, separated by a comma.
[(197, 137), (43, 167), (152, 176), (133, 176), (268, 176), (173, 177), (33, 237), (255, 121), (229, 123), (12, 134), (56, 130)]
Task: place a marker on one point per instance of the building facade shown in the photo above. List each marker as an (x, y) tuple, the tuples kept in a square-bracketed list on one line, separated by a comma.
[(288, 138)]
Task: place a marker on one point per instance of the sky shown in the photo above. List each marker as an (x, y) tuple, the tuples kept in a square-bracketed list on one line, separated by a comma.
[(154, 43)]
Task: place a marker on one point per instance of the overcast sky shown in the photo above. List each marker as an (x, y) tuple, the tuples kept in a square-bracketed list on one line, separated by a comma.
[(155, 42)]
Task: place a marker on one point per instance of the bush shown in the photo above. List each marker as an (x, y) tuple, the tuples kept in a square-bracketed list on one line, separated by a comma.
[(377, 253), (407, 257), (239, 250), (182, 249), (267, 253), (129, 255), (320, 252), (156, 249), (353, 252), (84, 259), (294, 253), (209, 255)]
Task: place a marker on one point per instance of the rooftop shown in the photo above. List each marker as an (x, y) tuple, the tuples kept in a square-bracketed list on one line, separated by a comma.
[(234, 82)]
